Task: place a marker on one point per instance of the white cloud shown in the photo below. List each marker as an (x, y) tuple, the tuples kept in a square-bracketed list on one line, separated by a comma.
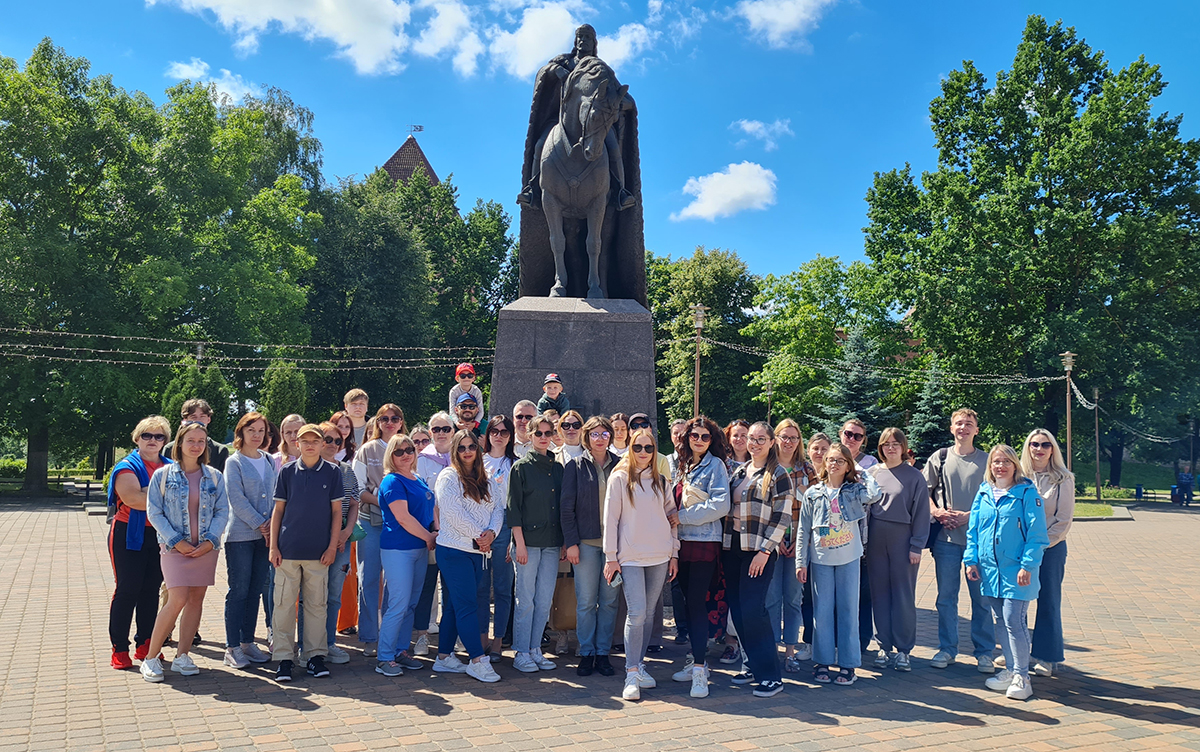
[(543, 31), (228, 84), (722, 194), (631, 40), (768, 133), (450, 29), (783, 23)]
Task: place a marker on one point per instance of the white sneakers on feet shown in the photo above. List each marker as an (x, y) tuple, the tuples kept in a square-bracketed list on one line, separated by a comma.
[(941, 659), (1020, 689), (985, 664), (882, 659), (152, 670), (337, 655), (803, 652), (183, 664), (685, 674), (483, 671), (1043, 668), (632, 690), (699, 681), (544, 663), (449, 665), (422, 646), (524, 663), (645, 680), (236, 658), (254, 653), (1000, 682)]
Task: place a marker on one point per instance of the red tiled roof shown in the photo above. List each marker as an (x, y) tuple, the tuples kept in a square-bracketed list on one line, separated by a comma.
[(408, 159)]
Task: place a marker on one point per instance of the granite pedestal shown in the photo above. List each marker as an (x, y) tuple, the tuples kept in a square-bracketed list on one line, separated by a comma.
[(602, 350)]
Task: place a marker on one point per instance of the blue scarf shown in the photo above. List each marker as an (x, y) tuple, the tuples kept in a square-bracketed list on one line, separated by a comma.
[(135, 534)]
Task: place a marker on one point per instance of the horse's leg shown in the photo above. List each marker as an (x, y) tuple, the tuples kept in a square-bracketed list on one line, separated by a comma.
[(595, 220), (558, 243)]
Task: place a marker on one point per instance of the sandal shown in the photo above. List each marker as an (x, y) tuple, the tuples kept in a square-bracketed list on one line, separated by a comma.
[(821, 674), (845, 677), (791, 664)]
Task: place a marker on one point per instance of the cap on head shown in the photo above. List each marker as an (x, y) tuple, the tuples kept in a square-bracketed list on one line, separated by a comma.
[(312, 428), (639, 416), (465, 398), (464, 368), (551, 378)]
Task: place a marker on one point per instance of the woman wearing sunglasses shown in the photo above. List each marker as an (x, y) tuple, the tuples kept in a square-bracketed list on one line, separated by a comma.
[(534, 492), (409, 532), (499, 456), (431, 461), (570, 430), (640, 544), (345, 427), (700, 491), (585, 480), (368, 462), (1042, 462), (468, 519)]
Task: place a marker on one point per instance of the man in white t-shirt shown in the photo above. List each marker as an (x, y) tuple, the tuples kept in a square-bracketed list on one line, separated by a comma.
[(523, 412)]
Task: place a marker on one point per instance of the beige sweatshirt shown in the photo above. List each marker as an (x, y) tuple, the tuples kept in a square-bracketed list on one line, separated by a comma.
[(636, 530)]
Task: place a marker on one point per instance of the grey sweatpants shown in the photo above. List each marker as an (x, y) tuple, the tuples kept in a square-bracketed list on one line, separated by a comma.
[(893, 584)]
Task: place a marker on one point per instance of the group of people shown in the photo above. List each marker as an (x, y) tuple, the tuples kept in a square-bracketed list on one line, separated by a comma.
[(754, 533)]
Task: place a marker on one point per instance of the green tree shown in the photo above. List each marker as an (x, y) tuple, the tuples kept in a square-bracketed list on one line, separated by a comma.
[(284, 391), (194, 380), (1062, 215), (856, 388), (720, 280), (927, 431)]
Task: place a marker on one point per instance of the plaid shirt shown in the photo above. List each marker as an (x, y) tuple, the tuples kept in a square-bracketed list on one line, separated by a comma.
[(760, 523)]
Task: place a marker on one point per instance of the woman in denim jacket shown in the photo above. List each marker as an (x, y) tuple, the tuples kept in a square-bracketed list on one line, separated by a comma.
[(832, 539), (701, 492), (1006, 538), (187, 506)]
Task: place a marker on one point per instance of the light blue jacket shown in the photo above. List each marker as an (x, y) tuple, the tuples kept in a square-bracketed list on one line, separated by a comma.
[(167, 505), (1006, 536), (251, 499), (703, 521)]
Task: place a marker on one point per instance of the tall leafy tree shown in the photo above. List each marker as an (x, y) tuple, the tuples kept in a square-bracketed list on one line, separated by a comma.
[(1062, 215), (284, 391)]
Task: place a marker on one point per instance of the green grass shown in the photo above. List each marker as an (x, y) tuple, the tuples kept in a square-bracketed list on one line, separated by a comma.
[(1132, 473), (1093, 510)]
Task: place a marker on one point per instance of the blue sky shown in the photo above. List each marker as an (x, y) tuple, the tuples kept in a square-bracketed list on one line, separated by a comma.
[(761, 121)]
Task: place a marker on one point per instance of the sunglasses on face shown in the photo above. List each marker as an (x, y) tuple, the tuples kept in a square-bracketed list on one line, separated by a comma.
[(404, 451), (639, 424), (153, 437), (572, 425), (597, 435), (336, 441), (390, 419), (441, 429), (854, 435), (1033, 444), (498, 431), (467, 448), (642, 448), (543, 434), (702, 437), (522, 417), (421, 442)]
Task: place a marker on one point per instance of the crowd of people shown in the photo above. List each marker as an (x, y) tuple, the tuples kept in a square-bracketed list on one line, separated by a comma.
[(776, 549)]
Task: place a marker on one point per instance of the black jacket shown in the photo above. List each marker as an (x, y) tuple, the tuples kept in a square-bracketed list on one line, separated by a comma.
[(582, 506)]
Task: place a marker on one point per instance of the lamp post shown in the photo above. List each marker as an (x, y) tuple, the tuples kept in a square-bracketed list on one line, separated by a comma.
[(770, 391), (1068, 361), (698, 321)]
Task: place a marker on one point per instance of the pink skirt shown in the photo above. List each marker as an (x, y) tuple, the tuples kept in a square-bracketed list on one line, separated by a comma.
[(183, 571)]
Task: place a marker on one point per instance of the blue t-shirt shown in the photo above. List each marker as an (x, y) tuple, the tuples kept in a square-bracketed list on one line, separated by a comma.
[(395, 487), (308, 494)]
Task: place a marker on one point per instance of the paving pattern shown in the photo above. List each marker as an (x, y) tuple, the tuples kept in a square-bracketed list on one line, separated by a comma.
[(1132, 679)]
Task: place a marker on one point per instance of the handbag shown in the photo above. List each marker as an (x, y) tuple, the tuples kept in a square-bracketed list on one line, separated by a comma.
[(358, 533), (562, 610), (692, 495)]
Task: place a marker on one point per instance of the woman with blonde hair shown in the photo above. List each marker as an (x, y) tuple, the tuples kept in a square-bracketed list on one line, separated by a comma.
[(570, 430), (641, 543), (1006, 537), (1042, 462), (288, 448), (785, 595)]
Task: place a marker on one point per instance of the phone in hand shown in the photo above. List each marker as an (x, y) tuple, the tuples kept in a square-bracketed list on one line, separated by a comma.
[(616, 580)]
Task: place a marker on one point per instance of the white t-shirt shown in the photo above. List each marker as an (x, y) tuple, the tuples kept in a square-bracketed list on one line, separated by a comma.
[(499, 470), (263, 465)]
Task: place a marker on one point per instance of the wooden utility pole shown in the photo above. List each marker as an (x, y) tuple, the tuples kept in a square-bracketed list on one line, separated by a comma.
[(1068, 361), (1096, 399)]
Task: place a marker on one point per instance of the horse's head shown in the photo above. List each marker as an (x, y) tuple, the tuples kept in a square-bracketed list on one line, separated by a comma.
[(598, 103)]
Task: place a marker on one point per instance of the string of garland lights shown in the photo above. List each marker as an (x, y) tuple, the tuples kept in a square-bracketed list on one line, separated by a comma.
[(300, 364), (1087, 405)]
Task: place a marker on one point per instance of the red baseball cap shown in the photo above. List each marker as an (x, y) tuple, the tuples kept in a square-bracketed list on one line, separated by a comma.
[(464, 368)]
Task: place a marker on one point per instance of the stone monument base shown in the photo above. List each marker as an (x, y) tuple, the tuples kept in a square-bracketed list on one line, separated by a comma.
[(602, 350)]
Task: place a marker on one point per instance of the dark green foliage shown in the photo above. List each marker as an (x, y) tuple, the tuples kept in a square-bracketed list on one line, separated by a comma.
[(854, 389), (284, 391), (927, 426), (198, 381)]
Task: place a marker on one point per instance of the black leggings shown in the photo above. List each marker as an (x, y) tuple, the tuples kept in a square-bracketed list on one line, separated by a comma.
[(695, 577), (138, 575)]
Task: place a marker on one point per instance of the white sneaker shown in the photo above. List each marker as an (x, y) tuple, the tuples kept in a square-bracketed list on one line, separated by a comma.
[(152, 670), (632, 691), (458, 646), (803, 652), (337, 655), (941, 659), (236, 658), (999, 662), (685, 674), (254, 653), (645, 680), (1043, 668), (882, 659), (544, 663), (699, 681), (483, 671), (183, 664), (433, 627), (1000, 682), (422, 646), (985, 664), (525, 664), (449, 665), (1020, 689)]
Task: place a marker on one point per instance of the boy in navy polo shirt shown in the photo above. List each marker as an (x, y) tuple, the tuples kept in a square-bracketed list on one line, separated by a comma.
[(305, 527)]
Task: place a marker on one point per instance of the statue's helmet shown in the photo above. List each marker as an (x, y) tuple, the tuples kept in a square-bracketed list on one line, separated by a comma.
[(585, 41)]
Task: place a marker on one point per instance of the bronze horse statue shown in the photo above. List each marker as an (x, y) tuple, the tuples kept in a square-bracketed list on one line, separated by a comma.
[(574, 176)]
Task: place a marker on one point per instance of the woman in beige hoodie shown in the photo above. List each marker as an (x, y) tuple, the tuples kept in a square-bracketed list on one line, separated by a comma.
[(642, 545)]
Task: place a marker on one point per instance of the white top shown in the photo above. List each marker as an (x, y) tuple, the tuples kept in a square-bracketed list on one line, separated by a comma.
[(463, 520), (521, 448), (499, 470), (566, 453), (262, 465)]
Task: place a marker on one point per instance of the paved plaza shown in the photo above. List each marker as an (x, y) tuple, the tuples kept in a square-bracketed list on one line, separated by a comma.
[(1132, 679)]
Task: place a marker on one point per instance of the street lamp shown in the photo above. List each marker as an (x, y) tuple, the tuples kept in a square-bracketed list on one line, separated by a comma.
[(698, 321), (1068, 361)]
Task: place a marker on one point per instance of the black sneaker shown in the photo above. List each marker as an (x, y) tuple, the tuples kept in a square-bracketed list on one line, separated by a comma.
[(743, 678), (682, 638), (284, 674), (316, 666), (603, 667), (196, 641), (654, 649), (587, 664), (768, 688)]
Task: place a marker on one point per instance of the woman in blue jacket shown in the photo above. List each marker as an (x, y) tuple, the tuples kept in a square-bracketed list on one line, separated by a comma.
[(1005, 540)]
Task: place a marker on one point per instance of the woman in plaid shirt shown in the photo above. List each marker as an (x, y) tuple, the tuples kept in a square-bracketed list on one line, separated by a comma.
[(760, 511)]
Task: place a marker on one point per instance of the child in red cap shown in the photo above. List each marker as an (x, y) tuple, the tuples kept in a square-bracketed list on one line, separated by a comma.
[(465, 376)]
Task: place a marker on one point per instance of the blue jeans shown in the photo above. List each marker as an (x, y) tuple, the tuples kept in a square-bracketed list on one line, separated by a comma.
[(269, 597), (370, 574), (948, 567), (747, 598), (247, 566), (1047, 627), (784, 598), (1014, 639), (643, 587), (461, 574), (595, 603), (498, 579), (535, 593), (405, 573), (424, 613), (333, 601), (836, 590)]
